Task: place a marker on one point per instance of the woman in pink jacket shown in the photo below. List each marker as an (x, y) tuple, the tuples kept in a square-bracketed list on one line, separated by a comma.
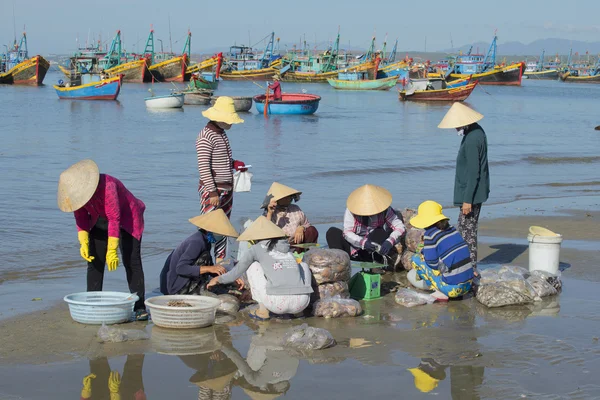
[(107, 216)]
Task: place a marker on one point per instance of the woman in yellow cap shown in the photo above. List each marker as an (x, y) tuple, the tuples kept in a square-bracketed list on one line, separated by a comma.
[(216, 164), (428, 375), (472, 179), (108, 216), (444, 263), (289, 217), (278, 283), (186, 265), (371, 227)]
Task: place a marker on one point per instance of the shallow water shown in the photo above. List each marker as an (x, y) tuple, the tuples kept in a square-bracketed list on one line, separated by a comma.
[(541, 141)]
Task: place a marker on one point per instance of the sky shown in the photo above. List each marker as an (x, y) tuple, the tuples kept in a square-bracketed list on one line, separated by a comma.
[(53, 26)]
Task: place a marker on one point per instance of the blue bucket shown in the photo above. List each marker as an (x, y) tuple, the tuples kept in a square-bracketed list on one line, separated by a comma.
[(96, 308)]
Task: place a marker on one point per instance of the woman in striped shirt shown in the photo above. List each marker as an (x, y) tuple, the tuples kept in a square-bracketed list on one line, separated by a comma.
[(215, 163), (445, 262)]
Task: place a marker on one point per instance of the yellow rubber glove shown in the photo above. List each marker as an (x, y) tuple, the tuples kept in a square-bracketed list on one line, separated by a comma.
[(84, 240), (112, 260), (114, 383), (86, 392)]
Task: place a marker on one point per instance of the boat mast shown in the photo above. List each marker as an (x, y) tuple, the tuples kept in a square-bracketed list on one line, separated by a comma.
[(22, 52), (540, 65), (266, 58), (371, 51), (392, 56), (149, 49), (333, 56), (113, 57), (490, 57), (170, 40), (188, 45)]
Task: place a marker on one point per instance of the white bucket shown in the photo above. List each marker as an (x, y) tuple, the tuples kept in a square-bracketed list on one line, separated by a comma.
[(544, 253)]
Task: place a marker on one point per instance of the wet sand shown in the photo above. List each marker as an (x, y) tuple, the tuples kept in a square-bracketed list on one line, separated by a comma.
[(544, 350)]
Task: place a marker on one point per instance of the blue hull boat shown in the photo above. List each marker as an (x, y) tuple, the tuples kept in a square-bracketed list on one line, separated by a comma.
[(105, 89), (290, 103)]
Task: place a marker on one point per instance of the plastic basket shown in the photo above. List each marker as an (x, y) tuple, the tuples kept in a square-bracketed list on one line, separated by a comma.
[(184, 342), (96, 308), (201, 314)]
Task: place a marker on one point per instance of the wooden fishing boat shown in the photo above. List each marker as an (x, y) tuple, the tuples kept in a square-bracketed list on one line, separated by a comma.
[(196, 97), (17, 68), (172, 70), (290, 103), (322, 77), (541, 70), (240, 103), (458, 83), (204, 80), (262, 74), (133, 71), (202, 66), (546, 74), (173, 100), (484, 69), (104, 89), (452, 94), (568, 76), (359, 81)]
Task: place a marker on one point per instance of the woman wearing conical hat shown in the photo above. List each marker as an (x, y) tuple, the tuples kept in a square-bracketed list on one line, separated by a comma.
[(276, 87), (187, 267), (472, 179), (371, 227), (278, 283), (216, 164), (108, 216), (289, 217)]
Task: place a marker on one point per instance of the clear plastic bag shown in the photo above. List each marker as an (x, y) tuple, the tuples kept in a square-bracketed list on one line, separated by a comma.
[(336, 308), (504, 286), (307, 338), (329, 290), (328, 265), (544, 283), (413, 238), (410, 298), (242, 181), (109, 334), (229, 304)]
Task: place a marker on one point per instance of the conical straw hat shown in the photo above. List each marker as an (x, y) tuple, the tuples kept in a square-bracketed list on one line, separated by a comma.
[(223, 111), (261, 396), (369, 200), (77, 185), (215, 221), (459, 115), (262, 229), (279, 191)]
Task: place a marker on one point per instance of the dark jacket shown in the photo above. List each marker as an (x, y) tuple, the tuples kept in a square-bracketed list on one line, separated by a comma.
[(180, 267), (472, 181)]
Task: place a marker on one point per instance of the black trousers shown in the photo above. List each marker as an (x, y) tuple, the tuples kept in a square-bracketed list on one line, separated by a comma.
[(131, 379), (336, 240), (131, 258)]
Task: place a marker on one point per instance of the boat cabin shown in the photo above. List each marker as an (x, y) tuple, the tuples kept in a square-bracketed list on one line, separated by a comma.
[(353, 76), (469, 64)]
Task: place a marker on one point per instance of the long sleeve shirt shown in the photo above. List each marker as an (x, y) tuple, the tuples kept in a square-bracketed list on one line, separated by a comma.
[(357, 228), (447, 252), (113, 202), (289, 219), (215, 162), (284, 275), (180, 266), (472, 180), (276, 87)]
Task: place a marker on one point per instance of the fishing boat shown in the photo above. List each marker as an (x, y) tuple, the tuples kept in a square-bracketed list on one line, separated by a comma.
[(195, 96), (581, 72), (203, 66), (173, 100), (168, 67), (360, 81), (243, 63), (240, 103), (540, 70), (451, 94), (92, 87), (458, 83), (204, 80), (290, 103), (484, 69), (17, 68)]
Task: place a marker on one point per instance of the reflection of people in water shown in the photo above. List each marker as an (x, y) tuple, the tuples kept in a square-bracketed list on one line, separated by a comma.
[(214, 374), (268, 367), (102, 383), (464, 380)]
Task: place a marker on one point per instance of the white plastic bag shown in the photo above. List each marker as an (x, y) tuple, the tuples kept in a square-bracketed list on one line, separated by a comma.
[(410, 298), (242, 181), (307, 338), (110, 334)]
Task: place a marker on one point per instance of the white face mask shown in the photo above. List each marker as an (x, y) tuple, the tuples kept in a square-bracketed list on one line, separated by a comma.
[(461, 132)]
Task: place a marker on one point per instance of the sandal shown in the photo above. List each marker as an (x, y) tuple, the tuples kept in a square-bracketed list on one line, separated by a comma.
[(252, 314), (141, 315)]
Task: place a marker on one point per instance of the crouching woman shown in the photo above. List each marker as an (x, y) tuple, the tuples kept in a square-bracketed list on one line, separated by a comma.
[(278, 283), (445, 262)]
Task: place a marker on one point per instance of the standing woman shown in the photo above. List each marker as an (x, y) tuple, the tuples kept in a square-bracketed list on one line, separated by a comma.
[(472, 181), (107, 216), (215, 163)]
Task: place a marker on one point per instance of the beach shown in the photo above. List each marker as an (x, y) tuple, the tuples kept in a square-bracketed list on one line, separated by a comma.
[(542, 162)]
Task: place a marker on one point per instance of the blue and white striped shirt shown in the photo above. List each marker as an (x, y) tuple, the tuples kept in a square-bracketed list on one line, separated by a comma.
[(447, 252)]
